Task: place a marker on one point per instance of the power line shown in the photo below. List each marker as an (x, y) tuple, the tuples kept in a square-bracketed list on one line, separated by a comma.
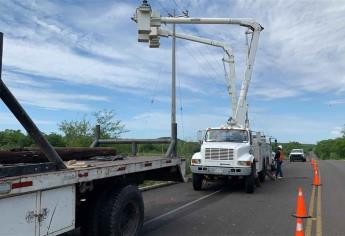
[(208, 62), (200, 64), (178, 7), (163, 8)]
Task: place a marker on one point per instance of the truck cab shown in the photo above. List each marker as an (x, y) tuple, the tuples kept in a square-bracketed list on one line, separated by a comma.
[(230, 152)]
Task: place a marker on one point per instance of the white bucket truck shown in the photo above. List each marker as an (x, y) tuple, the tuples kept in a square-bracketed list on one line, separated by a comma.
[(229, 152), (248, 154), (232, 150)]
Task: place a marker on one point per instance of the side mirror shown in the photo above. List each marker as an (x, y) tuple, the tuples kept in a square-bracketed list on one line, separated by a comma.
[(201, 135)]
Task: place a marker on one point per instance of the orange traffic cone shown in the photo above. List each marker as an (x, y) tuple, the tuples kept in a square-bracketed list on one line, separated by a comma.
[(316, 178), (312, 161), (301, 211), (299, 227)]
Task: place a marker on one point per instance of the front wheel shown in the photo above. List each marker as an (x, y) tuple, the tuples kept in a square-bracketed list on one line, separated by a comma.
[(249, 182), (197, 181)]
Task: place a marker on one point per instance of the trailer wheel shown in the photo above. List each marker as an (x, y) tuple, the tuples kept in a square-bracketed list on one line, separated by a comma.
[(249, 182), (197, 181), (262, 174), (124, 212)]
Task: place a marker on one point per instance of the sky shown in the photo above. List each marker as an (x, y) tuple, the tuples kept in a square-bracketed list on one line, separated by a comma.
[(67, 59)]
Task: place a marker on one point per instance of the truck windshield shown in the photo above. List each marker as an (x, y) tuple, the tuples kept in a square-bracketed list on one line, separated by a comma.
[(226, 135)]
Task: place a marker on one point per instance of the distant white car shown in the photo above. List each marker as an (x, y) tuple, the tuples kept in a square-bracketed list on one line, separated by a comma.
[(297, 154)]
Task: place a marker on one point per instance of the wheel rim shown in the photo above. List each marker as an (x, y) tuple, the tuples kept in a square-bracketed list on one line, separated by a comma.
[(129, 218)]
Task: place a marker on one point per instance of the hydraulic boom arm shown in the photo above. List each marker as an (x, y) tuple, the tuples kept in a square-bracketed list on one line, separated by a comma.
[(150, 21)]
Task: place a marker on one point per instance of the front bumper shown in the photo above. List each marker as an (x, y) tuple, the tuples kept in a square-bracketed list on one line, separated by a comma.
[(215, 170), (297, 158)]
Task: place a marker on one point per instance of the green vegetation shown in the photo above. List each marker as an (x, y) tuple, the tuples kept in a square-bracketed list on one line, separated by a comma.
[(287, 147), (331, 148), (80, 133), (76, 133), (10, 139)]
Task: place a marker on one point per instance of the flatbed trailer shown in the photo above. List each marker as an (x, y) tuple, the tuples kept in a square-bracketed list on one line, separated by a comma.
[(55, 202)]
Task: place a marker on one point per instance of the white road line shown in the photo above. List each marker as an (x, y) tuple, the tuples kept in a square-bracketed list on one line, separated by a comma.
[(181, 207)]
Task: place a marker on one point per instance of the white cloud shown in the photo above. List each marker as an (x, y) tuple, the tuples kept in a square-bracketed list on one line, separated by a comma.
[(337, 132), (53, 100), (7, 118), (292, 127), (42, 94), (336, 102)]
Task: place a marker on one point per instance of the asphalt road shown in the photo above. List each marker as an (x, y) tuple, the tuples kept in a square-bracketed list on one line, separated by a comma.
[(227, 210)]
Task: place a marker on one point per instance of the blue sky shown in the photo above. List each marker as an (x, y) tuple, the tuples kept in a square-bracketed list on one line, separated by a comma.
[(65, 59)]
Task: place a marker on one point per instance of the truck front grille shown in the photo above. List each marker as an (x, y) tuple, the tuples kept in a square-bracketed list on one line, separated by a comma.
[(219, 154)]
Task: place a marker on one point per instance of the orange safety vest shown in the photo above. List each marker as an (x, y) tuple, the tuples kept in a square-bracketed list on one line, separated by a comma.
[(281, 156)]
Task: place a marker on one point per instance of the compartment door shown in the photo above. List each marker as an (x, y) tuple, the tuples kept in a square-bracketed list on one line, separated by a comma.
[(17, 216), (57, 208)]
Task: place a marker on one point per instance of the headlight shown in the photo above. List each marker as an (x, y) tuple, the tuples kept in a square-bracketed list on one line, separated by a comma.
[(244, 163), (196, 161)]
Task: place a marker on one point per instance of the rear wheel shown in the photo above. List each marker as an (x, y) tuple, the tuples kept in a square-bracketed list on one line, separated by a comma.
[(124, 212), (197, 181), (249, 182)]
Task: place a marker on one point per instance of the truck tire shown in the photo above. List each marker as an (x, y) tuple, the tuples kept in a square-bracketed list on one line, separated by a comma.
[(249, 182), (123, 213), (262, 174), (197, 181)]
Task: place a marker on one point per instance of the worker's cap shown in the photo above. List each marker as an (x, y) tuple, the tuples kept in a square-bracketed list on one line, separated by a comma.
[(280, 146)]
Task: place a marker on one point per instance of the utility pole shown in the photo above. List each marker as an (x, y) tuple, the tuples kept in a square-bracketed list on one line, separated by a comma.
[(173, 91)]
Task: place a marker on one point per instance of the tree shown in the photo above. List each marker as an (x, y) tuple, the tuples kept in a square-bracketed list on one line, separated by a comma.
[(56, 140), (14, 139), (80, 133), (76, 133), (110, 127)]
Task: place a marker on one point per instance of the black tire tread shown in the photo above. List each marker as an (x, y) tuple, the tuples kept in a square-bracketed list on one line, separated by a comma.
[(112, 206), (249, 182), (197, 182)]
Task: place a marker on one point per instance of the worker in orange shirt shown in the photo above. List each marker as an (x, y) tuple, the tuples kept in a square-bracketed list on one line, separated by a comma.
[(279, 157)]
